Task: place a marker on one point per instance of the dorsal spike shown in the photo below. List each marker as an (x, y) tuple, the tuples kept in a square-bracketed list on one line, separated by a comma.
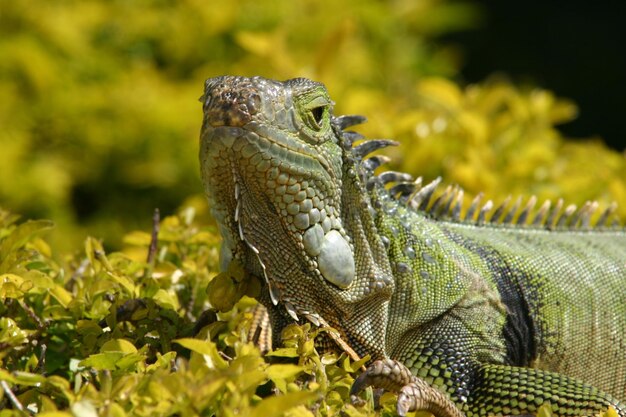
[(417, 186), (402, 190), (508, 217), (577, 216), (551, 221), (500, 210), (565, 218), (346, 121), (419, 201), (456, 207), (604, 217), (451, 200), (418, 183), (585, 217), (521, 220), (469, 216), (542, 213), (435, 209), (483, 212), (349, 137), (365, 148), (394, 176), (373, 162)]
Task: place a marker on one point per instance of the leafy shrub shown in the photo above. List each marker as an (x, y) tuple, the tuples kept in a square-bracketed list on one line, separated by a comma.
[(113, 335)]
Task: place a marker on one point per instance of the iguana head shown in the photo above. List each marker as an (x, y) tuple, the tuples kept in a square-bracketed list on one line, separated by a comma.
[(281, 181)]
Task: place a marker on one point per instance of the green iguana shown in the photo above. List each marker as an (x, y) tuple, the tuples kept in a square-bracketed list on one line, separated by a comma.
[(494, 311)]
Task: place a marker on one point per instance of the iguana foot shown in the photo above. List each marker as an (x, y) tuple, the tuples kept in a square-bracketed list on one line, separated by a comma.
[(413, 393)]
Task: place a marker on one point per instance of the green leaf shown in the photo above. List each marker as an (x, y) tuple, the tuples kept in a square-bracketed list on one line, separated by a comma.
[(19, 237), (102, 361), (299, 411), (125, 282), (224, 291), (118, 345), (276, 406), (290, 352), (84, 408), (280, 373), (355, 366), (13, 286), (6, 376), (41, 281), (10, 332), (61, 384), (127, 362), (205, 348), (166, 299), (29, 379), (138, 238)]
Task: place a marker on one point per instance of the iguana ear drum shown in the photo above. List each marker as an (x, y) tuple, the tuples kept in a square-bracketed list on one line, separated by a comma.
[(336, 261)]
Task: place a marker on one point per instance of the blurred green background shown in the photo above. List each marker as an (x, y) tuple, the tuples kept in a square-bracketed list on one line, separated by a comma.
[(100, 117)]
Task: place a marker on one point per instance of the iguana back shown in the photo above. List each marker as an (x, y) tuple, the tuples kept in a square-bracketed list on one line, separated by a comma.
[(564, 291)]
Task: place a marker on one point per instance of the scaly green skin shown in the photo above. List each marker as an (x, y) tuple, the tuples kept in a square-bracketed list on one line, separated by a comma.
[(502, 318)]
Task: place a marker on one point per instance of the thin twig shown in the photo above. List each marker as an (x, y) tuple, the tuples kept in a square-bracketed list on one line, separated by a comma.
[(29, 311), (41, 366), (154, 240), (78, 273), (7, 390)]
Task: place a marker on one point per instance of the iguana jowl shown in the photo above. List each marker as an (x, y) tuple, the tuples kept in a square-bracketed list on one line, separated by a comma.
[(500, 309)]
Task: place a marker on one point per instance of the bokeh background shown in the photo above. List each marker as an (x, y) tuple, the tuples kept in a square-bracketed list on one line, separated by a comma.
[(99, 114)]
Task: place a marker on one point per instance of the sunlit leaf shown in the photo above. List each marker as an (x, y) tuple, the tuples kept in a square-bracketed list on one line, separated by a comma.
[(118, 345), (102, 361), (277, 405), (166, 299), (19, 236), (206, 348), (280, 373)]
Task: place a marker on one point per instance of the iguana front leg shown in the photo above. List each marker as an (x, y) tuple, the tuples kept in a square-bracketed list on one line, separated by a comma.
[(497, 390), (413, 392)]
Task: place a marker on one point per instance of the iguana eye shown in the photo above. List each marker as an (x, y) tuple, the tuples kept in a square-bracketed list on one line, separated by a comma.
[(318, 114), (313, 109)]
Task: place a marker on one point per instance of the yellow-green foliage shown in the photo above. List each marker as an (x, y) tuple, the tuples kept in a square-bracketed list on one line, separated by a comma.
[(99, 108), (113, 335)]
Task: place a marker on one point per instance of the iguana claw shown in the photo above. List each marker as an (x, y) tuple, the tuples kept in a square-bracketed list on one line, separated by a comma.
[(413, 393)]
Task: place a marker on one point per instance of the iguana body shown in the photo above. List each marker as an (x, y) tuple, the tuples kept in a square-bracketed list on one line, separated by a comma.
[(501, 317)]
